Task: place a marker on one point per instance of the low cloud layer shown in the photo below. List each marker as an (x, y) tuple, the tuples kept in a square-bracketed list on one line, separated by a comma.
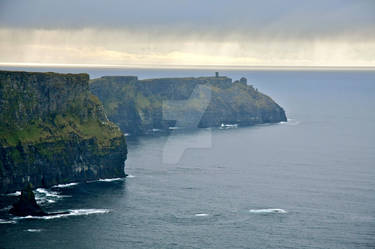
[(166, 32)]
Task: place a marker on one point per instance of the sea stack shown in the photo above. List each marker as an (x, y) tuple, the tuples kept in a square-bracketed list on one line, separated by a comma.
[(26, 205)]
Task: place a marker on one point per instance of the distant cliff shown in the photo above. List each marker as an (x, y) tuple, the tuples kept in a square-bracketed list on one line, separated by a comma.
[(53, 130), (137, 106)]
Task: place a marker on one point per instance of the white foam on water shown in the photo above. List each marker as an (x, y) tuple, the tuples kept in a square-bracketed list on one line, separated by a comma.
[(155, 130), (47, 192), (268, 211), (201, 215), (130, 176), (126, 134), (290, 122), (228, 126), (66, 185), (6, 208), (43, 196), (110, 179), (17, 193), (34, 230), (88, 211), (7, 221), (71, 212)]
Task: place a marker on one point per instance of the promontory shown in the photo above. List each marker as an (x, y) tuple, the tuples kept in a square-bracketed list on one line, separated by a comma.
[(140, 106), (53, 130)]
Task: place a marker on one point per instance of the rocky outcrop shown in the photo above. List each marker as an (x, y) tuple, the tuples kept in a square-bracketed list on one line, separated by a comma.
[(53, 130), (26, 204), (139, 106)]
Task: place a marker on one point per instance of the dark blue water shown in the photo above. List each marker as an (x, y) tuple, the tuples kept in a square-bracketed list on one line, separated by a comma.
[(308, 183)]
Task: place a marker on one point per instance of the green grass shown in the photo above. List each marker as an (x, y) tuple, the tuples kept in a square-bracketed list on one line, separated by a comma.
[(61, 127)]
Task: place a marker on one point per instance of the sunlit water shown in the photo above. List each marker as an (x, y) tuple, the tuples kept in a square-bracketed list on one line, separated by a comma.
[(307, 183)]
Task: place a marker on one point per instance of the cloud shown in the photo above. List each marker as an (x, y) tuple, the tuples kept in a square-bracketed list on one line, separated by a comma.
[(189, 32), (289, 17), (124, 47)]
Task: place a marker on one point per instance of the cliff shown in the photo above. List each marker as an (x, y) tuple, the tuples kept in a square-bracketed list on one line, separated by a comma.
[(53, 130), (139, 106)]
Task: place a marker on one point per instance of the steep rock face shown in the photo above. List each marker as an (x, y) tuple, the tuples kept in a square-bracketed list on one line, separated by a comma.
[(137, 106), (53, 130)]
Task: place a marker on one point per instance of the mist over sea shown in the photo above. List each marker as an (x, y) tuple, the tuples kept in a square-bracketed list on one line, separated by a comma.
[(306, 183)]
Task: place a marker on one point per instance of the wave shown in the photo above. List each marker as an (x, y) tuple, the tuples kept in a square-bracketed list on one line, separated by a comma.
[(268, 211), (65, 185), (71, 212), (17, 193), (7, 221), (175, 128), (43, 196), (290, 122), (106, 180), (47, 192), (6, 208), (110, 180), (201, 215), (34, 230), (130, 176), (228, 126)]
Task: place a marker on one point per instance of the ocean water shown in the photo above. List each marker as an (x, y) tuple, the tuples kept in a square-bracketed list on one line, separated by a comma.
[(307, 183)]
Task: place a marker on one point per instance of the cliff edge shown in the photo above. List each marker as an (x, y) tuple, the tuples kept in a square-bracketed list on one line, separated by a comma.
[(53, 130), (137, 106)]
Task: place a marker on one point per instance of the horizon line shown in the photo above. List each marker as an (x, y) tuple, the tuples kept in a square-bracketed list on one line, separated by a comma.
[(170, 66)]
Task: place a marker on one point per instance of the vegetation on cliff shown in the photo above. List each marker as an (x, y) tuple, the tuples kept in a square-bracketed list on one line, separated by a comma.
[(137, 106), (53, 130)]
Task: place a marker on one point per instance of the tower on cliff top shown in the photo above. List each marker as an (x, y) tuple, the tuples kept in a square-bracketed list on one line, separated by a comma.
[(217, 74)]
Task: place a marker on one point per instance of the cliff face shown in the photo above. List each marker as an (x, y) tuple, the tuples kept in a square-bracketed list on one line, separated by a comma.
[(137, 106), (53, 130)]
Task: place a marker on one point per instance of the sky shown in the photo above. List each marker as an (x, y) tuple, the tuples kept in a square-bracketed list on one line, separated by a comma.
[(156, 33)]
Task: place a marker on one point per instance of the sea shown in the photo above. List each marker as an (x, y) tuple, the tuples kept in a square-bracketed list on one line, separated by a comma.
[(305, 183)]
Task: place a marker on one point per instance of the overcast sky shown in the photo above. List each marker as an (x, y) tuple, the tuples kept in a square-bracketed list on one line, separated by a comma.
[(189, 32)]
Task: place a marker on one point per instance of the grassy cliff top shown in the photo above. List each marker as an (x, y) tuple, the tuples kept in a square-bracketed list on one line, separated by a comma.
[(187, 78), (45, 107), (80, 78)]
